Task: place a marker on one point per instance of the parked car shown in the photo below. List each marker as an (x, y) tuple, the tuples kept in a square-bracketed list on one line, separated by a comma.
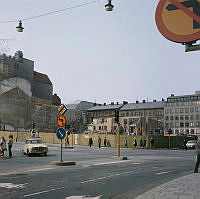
[(34, 146), (191, 144)]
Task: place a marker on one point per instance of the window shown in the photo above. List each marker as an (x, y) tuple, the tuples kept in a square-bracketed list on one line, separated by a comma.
[(171, 111), (125, 121), (176, 117), (176, 110), (166, 117), (166, 111), (191, 109), (198, 124), (181, 110), (94, 128), (177, 124), (186, 117), (181, 124), (186, 110), (105, 128), (197, 117), (181, 117), (131, 113), (171, 117), (166, 125), (191, 124), (99, 127), (187, 124), (191, 117), (127, 114)]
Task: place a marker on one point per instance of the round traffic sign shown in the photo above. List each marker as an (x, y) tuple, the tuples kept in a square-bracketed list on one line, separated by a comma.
[(179, 20), (60, 133), (61, 120)]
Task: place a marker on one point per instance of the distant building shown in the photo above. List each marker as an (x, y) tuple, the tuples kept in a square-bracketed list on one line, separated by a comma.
[(142, 118), (23, 94), (100, 118), (182, 114)]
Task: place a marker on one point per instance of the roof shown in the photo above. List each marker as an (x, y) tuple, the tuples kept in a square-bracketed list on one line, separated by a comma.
[(40, 77), (80, 105), (144, 105), (106, 107)]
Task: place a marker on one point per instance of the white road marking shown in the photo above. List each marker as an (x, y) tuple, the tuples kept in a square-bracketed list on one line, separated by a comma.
[(136, 163), (11, 185), (40, 192), (26, 171), (105, 177), (164, 172), (82, 197), (104, 163)]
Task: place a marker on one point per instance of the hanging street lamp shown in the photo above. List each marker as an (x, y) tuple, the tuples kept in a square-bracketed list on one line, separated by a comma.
[(20, 27), (109, 6)]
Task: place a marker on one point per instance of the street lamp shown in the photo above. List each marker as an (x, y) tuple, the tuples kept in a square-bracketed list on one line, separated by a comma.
[(20, 27), (109, 6)]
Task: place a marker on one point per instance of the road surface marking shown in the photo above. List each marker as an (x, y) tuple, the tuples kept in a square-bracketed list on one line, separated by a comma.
[(11, 185), (105, 177), (104, 163), (163, 172), (40, 192), (136, 163), (82, 197), (26, 171)]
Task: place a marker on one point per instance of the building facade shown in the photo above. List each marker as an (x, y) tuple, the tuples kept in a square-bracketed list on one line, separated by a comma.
[(182, 114), (142, 118)]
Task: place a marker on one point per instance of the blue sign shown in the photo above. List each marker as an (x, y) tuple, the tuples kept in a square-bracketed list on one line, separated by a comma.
[(60, 133)]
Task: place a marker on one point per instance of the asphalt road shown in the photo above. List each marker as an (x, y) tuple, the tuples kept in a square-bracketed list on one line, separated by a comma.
[(97, 173)]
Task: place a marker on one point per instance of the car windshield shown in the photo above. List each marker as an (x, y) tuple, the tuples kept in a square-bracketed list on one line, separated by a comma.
[(34, 141), (192, 141)]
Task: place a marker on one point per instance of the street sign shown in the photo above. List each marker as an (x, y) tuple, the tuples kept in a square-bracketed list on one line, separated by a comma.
[(62, 109), (60, 133), (179, 20), (61, 120)]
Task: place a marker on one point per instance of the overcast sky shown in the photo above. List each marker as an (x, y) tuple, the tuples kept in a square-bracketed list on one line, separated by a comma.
[(93, 55)]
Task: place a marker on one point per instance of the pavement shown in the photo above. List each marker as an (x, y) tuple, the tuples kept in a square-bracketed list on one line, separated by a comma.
[(186, 187)]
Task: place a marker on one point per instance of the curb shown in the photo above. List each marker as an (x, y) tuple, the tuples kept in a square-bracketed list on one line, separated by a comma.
[(58, 163)]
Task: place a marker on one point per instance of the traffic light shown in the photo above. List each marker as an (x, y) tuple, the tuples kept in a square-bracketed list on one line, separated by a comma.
[(169, 131), (116, 118), (33, 125)]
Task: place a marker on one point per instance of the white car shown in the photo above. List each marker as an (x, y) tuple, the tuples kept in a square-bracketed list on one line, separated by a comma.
[(34, 146), (191, 144)]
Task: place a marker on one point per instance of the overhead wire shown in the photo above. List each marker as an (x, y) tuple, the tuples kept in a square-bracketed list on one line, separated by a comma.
[(51, 12)]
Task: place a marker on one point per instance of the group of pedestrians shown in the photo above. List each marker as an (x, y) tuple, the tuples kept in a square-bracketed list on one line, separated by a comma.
[(105, 142), (141, 144), (3, 146)]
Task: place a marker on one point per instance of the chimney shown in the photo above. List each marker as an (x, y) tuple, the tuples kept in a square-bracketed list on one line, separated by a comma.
[(125, 102), (137, 102), (117, 103), (143, 101), (172, 95), (104, 104), (163, 99), (112, 103)]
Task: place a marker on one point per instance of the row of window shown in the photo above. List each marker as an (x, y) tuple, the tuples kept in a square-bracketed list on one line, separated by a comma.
[(182, 110), (182, 124), (183, 117), (100, 128), (178, 99), (135, 113)]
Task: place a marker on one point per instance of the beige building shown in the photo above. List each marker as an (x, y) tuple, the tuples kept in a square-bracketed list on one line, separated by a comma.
[(142, 118)]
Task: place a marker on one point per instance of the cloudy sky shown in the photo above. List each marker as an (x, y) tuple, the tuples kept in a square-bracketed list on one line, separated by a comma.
[(94, 55)]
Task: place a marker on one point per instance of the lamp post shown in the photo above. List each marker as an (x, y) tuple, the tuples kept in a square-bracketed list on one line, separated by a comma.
[(169, 133)]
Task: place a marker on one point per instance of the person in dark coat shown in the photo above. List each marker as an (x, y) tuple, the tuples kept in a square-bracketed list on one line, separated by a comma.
[(197, 156), (99, 142), (10, 143), (105, 142), (90, 142), (184, 144), (141, 143), (144, 143), (135, 142)]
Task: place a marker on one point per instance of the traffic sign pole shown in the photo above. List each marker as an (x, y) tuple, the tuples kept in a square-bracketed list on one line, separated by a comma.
[(61, 159)]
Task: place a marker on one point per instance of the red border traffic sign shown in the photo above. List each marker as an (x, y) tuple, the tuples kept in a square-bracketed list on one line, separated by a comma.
[(61, 120), (175, 20)]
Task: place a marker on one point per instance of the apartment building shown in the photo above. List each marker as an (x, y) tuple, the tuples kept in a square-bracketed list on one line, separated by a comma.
[(182, 114)]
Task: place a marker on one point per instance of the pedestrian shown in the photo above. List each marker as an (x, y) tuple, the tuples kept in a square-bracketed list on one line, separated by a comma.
[(151, 142), (10, 143), (126, 142), (184, 144), (99, 142), (134, 142), (145, 142), (90, 142), (105, 142), (197, 156), (3, 146), (141, 143)]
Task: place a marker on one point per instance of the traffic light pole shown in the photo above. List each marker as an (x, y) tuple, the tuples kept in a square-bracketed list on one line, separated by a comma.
[(118, 140)]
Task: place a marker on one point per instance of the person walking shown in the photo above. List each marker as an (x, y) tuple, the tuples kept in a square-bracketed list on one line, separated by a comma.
[(134, 142), (141, 143), (10, 143), (99, 142), (3, 146), (105, 142), (197, 156), (90, 142), (126, 142), (184, 144), (144, 143)]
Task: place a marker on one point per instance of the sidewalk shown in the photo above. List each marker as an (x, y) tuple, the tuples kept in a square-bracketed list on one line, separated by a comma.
[(187, 187)]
